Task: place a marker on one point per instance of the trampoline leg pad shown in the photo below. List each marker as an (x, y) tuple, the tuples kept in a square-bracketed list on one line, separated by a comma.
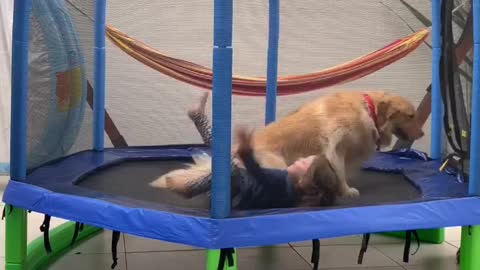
[(433, 236), (213, 257), (470, 248), (15, 239)]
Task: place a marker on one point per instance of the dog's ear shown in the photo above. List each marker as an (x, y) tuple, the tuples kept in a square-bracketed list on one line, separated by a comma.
[(384, 111)]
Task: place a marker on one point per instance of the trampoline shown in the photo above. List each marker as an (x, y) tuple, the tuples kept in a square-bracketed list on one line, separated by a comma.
[(61, 166), (110, 189)]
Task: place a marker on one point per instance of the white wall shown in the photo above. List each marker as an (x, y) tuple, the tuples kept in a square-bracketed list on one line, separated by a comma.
[(6, 16)]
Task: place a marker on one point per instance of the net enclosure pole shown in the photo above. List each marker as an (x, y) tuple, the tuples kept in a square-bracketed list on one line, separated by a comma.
[(474, 183), (16, 220), (436, 235), (272, 60), (437, 124), (222, 108), (221, 115), (99, 76), (470, 245)]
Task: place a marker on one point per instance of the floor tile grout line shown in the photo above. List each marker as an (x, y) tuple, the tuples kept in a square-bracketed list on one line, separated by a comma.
[(301, 257), (390, 258), (451, 244)]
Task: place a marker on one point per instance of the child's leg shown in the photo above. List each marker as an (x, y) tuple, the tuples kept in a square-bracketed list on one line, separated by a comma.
[(199, 118), (187, 182)]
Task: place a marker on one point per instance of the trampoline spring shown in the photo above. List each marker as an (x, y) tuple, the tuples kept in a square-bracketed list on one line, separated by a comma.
[(408, 242), (406, 249), (75, 232), (226, 254), (363, 249), (115, 239), (315, 259), (417, 237), (45, 228)]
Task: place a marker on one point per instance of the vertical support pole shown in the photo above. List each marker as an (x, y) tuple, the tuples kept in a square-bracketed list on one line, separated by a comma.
[(99, 76), (222, 108), (437, 124), (474, 183), (470, 245), (16, 221), (272, 61), (222, 114)]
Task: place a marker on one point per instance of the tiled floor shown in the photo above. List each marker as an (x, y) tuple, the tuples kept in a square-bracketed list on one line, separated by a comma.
[(335, 254)]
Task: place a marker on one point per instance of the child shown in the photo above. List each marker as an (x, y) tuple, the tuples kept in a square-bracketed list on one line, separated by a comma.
[(309, 181)]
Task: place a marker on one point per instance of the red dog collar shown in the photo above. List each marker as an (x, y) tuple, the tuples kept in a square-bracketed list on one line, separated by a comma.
[(372, 112)]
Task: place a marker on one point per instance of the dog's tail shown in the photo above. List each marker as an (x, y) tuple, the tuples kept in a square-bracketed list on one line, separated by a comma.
[(190, 181)]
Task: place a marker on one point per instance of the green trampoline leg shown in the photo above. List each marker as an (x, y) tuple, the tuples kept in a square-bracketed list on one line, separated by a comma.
[(15, 238), (469, 259), (213, 256)]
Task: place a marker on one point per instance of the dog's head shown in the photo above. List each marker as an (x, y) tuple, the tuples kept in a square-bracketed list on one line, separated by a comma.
[(397, 116)]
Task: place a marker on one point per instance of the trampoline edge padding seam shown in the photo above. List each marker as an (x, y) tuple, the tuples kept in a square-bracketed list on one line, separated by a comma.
[(247, 231)]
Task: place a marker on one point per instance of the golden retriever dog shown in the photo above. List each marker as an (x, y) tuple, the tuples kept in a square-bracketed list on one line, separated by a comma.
[(346, 127)]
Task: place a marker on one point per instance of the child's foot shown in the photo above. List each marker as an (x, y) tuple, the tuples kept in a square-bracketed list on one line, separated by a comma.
[(200, 109)]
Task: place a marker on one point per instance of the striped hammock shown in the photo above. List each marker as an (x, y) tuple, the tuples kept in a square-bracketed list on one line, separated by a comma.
[(201, 76)]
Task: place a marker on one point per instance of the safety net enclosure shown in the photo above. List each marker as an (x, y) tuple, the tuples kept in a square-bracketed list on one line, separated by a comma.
[(101, 91)]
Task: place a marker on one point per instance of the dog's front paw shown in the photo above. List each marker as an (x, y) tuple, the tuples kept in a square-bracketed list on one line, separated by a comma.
[(352, 192)]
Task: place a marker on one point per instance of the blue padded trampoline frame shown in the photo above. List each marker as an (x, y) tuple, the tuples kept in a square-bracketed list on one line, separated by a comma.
[(222, 111)]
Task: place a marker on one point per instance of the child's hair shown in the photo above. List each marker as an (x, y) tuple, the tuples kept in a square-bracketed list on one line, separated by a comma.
[(319, 185)]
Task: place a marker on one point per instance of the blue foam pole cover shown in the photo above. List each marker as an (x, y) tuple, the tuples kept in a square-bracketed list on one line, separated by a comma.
[(474, 185), (19, 98), (99, 71), (437, 109), (272, 62), (222, 108)]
